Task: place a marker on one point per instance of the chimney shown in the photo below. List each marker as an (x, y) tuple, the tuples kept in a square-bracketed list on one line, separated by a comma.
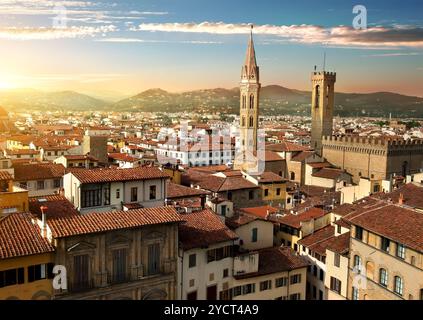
[(267, 214), (44, 221), (401, 199)]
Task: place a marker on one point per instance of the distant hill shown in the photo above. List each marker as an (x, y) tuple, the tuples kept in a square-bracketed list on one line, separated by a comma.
[(274, 100), (29, 99)]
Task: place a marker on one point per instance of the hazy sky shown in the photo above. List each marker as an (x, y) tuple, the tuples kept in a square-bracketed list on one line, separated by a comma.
[(116, 48)]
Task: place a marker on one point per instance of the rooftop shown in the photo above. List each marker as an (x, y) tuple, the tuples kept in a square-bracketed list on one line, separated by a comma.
[(115, 175), (203, 228)]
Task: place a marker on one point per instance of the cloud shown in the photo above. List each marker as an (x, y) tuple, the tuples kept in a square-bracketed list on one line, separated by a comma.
[(137, 40), (395, 36), (43, 33), (396, 54)]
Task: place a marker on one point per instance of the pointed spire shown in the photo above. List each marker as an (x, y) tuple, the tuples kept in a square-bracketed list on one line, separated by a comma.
[(250, 59), (250, 69)]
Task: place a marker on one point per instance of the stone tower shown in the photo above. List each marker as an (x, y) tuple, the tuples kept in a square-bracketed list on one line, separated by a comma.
[(322, 103), (249, 103)]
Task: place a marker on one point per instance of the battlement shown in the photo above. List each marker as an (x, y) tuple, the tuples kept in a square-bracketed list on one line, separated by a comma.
[(372, 141), (323, 75)]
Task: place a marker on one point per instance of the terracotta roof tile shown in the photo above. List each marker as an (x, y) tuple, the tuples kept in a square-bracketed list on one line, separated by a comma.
[(274, 260), (38, 171), (294, 220), (175, 191), (57, 206), (20, 237), (113, 175), (203, 228), (114, 220)]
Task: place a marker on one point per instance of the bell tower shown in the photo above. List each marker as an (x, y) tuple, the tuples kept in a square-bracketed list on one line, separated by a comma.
[(322, 103), (249, 104)]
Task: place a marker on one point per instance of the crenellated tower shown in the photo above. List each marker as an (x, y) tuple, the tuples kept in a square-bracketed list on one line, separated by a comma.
[(322, 103)]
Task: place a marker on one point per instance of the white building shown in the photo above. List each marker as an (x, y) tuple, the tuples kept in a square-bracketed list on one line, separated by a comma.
[(205, 263), (112, 189)]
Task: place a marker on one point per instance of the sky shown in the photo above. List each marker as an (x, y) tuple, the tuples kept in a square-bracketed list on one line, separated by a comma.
[(119, 48)]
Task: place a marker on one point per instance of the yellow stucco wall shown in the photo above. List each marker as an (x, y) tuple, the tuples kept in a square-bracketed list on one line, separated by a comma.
[(40, 289)]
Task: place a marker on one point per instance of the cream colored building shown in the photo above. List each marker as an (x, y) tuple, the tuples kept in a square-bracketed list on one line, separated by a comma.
[(385, 245)]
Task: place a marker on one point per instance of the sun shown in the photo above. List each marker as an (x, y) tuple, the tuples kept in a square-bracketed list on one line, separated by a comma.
[(6, 85)]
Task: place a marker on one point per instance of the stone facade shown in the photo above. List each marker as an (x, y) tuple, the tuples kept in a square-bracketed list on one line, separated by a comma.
[(134, 280), (375, 159), (322, 107)]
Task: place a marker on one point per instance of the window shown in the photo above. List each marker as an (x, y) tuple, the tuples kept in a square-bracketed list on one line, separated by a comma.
[(358, 233), (385, 244), (91, 196), (254, 232), (134, 194), (248, 288), (295, 296), (281, 282), (225, 273), (315, 271), (56, 183), (357, 263), (237, 291), (119, 265), (337, 260), (421, 294), (81, 272), (320, 295), (321, 275), (192, 260), (266, 192), (278, 191), (106, 193), (296, 278), (335, 285), (154, 258), (251, 195), (400, 251), (383, 277), (230, 196), (117, 193), (251, 122), (40, 185), (354, 293), (317, 97), (11, 277), (265, 285), (338, 228), (252, 102), (398, 285), (153, 190), (40, 271)]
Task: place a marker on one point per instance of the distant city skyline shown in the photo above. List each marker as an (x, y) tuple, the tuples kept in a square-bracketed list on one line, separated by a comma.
[(120, 48)]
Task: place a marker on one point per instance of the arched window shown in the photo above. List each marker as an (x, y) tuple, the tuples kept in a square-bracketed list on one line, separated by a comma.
[(357, 263), (251, 121), (398, 285), (383, 277), (317, 97), (243, 122), (252, 101), (244, 101)]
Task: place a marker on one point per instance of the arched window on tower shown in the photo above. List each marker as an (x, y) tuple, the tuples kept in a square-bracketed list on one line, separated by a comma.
[(243, 122), (252, 101), (251, 122), (244, 101), (317, 97)]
